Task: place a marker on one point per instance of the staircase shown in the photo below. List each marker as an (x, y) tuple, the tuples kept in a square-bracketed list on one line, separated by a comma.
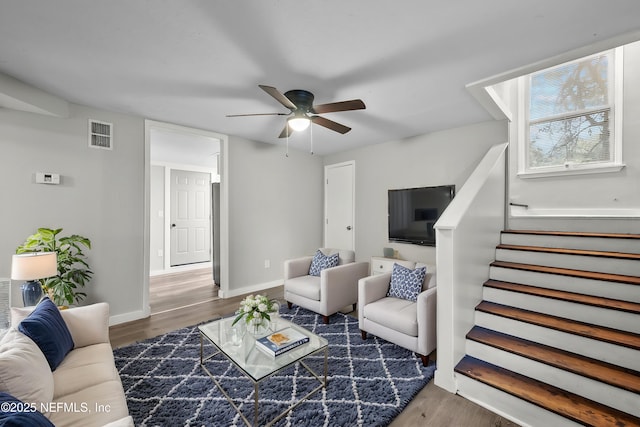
[(556, 340)]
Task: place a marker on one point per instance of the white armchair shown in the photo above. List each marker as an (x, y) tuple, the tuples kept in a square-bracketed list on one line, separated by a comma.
[(334, 289), (409, 324)]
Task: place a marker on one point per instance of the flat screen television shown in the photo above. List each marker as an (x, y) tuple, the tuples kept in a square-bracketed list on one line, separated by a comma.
[(414, 211)]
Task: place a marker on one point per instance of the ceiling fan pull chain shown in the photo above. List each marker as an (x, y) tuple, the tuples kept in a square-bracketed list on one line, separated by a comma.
[(311, 137), (287, 153)]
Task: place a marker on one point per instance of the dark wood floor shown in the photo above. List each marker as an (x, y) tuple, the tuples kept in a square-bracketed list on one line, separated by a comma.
[(431, 407)]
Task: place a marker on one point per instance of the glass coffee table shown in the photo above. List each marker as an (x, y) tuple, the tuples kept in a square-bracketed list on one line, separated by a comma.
[(255, 364)]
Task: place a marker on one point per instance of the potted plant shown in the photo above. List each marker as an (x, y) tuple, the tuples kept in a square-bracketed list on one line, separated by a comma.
[(256, 312), (73, 270)]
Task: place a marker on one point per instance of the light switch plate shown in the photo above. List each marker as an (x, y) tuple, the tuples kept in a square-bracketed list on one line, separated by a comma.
[(47, 178)]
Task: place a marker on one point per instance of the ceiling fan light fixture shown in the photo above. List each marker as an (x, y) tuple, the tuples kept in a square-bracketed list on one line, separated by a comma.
[(299, 123)]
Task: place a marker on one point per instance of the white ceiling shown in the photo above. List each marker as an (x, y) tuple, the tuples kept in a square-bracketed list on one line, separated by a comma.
[(179, 148), (192, 62)]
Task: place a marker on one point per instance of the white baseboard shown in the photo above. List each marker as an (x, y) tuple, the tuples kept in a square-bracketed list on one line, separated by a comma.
[(229, 293), (129, 317)]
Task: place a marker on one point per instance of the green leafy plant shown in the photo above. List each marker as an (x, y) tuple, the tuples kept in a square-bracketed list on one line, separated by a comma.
[(73, 270)]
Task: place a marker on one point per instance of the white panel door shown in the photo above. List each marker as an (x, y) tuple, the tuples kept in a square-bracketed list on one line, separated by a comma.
[(190, 235), (339, 206)]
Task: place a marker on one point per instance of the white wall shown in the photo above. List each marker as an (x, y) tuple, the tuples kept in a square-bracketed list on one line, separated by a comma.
[(275, 211), (275, 202), (586, 194), (156, 222), (440, 158), (467, 234), (101, 195)]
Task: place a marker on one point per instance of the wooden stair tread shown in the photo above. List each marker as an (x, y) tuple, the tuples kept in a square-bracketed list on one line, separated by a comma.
[(617, 376), (601, 333), (613, 304), (561, 402), (564, 251), (574, 234), (619, 278)]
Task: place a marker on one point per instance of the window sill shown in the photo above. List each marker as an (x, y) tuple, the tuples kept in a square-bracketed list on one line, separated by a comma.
[(572, 170), (568, 213)]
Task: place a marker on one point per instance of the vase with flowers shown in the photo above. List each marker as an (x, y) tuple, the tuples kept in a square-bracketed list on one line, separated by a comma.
[(256, 311)]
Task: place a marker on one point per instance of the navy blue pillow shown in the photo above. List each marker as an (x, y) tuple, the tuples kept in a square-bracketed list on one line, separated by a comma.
[(15, 413), (321, 261), (406, 283), (46, 327)]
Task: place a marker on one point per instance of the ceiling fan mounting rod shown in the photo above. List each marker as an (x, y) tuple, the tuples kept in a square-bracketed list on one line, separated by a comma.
[(303, 99)]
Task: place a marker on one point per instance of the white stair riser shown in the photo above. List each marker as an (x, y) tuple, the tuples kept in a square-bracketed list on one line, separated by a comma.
[(575, 262), (601, 288), (631, 246), (615, 319), (595, 349), (591, 389), (521, 411), (511, 407)]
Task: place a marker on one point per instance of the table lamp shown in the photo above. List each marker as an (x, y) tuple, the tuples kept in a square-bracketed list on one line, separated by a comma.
[(32, 267)]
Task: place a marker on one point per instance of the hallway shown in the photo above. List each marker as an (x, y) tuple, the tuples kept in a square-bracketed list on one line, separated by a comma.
[(183, 289)]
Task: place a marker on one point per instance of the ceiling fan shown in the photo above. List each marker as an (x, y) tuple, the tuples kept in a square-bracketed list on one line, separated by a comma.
[(303, 112)]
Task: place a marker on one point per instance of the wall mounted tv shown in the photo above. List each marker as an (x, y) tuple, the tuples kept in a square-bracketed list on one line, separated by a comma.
[(414, 211)]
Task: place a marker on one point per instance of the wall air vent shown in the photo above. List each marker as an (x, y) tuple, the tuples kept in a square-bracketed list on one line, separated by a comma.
[(100, 135)]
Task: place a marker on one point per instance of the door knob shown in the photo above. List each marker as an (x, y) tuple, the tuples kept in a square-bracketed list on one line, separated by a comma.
[(348, 227)]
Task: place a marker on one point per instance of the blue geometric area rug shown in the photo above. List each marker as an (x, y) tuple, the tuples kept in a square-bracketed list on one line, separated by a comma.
[(369, 381)]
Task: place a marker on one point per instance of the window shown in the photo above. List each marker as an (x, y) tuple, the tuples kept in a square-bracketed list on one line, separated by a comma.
[(571, 124)]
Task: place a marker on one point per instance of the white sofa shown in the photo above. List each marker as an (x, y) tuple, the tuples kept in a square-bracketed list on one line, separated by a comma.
[(409, 324), (334, 289), (87, 390)]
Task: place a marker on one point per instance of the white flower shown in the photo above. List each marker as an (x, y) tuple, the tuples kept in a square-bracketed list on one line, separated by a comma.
[(256, 307)]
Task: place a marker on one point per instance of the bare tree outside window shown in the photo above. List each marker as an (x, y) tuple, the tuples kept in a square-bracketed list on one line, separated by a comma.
[(569, 113)]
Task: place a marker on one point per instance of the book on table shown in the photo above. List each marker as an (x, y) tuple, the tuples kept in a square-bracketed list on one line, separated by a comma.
[(281, 341)]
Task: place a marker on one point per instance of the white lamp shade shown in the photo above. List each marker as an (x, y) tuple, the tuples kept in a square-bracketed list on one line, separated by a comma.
[(33, 266), (299, 123)]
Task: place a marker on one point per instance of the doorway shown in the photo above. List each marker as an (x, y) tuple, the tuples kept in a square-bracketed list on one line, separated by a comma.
[(190, 217), (184, 166), (339, 205)]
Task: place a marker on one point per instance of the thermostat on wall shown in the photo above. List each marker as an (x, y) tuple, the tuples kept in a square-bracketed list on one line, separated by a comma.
[(47, 178)]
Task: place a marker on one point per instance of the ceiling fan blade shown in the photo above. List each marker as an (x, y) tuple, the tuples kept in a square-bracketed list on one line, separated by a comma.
[(354, 104), (283, 134), (278, 96), (330, 124), (258, 114)]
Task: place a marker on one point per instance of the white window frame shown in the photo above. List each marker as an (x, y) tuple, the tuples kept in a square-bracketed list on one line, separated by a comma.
[(615, 119)]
